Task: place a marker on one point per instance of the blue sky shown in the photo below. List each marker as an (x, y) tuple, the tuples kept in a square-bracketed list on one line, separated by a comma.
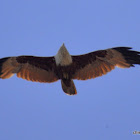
[(105, 108)]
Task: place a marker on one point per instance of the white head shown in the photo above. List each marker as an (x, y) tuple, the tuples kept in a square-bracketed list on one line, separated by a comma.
[(63, 57)]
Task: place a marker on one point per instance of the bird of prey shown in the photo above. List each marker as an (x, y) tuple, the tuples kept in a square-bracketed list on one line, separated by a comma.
[(66, 67)]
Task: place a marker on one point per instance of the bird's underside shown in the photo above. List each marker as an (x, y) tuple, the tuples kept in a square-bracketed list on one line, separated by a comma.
[(66, 67)]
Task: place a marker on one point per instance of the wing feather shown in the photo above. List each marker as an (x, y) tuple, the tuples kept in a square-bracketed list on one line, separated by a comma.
[(37, 69), (101, 62)]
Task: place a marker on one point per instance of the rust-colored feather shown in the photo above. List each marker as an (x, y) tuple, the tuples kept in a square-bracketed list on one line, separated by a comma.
[(30, 71), (66, 67), (101, 62)]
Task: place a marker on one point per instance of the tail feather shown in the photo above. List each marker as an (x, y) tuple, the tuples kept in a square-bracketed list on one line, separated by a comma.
[(68, 87)]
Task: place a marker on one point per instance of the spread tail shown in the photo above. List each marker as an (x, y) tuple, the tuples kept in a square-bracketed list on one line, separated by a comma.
[(68, 86)]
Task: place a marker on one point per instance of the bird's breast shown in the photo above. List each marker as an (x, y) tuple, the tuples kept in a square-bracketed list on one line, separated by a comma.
[(64, 72)]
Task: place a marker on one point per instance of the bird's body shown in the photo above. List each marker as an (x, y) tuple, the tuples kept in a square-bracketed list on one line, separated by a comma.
[(66, 67)]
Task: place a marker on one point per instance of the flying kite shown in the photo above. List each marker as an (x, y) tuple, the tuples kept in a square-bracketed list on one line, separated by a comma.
[(66, 67)]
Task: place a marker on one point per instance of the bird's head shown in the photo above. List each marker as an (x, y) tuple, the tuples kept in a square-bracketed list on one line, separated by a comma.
[(63, 49), (63, 57)]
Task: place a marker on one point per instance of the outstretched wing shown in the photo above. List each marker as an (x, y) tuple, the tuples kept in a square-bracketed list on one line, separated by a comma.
[(100, 62), (38, 69)]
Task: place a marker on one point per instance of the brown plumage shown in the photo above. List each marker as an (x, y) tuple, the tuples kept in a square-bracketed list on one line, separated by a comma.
[(66, 67)]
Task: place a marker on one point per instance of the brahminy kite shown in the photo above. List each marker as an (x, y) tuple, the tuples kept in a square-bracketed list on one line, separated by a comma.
[(66, 67)]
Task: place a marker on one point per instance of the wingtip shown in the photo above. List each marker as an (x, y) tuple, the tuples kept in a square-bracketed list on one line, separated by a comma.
[(131, 56)]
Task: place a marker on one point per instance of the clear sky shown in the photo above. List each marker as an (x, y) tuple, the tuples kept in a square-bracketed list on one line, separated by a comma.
[(105, 108)]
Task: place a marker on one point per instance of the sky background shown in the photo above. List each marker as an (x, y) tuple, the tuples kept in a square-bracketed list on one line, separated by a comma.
[(105, 108)]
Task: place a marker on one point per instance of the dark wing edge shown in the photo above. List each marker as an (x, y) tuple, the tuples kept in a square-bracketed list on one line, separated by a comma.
[(31, 68), (101, 62), (131, 57)]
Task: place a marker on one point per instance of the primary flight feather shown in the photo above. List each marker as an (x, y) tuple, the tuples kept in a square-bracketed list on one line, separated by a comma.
[(66, 67)]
